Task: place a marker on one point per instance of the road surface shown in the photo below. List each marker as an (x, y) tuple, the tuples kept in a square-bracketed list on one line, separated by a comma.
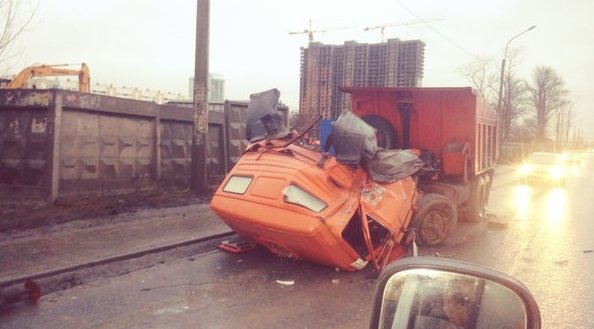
[(544, 238)]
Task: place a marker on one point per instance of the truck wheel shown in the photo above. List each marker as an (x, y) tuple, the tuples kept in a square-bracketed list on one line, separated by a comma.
[(384, 132), (476, 206), (435, 219)]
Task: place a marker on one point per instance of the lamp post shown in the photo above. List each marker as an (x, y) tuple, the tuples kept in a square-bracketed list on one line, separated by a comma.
[(499, 110)]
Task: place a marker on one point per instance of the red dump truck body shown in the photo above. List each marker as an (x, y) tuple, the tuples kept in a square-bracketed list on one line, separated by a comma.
[(456, 130), (437, 117)]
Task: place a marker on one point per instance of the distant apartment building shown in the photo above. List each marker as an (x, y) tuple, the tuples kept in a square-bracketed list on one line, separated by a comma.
[(216, 88), (156, 96), (326, 68)]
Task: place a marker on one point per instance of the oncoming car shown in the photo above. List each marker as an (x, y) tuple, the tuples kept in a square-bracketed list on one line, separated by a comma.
[(544, 167)]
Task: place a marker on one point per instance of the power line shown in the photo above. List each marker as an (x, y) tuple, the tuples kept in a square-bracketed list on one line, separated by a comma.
[(437, 31), (404, 23)]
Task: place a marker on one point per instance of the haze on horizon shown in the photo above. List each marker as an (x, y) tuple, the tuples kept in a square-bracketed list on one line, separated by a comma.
[(150, 44)]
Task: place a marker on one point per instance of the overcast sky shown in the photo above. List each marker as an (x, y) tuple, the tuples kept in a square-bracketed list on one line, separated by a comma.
[(151, 44)]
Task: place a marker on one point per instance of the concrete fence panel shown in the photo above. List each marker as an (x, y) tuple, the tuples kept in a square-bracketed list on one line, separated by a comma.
[(57, 142)]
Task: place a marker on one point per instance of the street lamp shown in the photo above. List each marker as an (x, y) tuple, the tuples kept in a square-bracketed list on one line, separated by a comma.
[(501, 78)]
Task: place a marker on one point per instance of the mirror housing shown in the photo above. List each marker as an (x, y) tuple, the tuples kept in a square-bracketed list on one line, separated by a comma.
[(407, 289)]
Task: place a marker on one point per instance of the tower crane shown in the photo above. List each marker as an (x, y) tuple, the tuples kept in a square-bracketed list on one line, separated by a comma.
[(310, 32), (404, 23)]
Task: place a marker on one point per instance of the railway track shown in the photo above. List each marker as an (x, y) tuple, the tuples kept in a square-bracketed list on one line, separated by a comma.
[(63, 278)]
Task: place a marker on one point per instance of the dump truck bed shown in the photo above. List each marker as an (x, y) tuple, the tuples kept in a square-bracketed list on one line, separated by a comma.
[(433, 118)]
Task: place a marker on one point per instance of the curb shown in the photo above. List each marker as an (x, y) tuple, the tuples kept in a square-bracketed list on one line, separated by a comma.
[(107, 260)]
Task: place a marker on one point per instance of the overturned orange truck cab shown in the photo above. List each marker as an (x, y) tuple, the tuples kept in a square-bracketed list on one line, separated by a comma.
[(343, 211), (406, 159)]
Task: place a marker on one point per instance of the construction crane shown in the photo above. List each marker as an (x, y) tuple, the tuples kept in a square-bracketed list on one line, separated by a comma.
[(405, 23), (311, 32), (28, 73)]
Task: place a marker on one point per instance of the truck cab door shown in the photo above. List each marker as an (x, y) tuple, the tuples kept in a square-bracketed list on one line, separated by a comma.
[(385, 212)]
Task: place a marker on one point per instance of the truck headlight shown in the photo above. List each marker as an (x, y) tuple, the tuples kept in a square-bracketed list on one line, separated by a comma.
[(294, 194)]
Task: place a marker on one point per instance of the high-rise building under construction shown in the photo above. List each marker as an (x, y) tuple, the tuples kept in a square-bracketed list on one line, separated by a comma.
[(326, 68)]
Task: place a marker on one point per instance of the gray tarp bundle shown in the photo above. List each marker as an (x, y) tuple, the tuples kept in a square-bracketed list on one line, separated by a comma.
[(264, 120), (392, 165), (354, 140)]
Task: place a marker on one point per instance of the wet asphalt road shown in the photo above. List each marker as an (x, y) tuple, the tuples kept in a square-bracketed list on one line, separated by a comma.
[(213, 290), (549, 246), (546, 243)]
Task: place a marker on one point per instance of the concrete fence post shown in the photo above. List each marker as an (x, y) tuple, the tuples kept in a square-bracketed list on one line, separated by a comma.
[(55, 118), (157, 157)]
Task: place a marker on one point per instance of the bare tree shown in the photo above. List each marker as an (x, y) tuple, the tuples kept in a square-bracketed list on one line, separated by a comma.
[(563, 123), (483, 77), (513, 104), (568, 121), (14, 19), (548, 95), (514, 97)]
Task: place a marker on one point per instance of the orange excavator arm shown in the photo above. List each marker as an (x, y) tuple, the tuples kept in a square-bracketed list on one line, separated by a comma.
[(84, 79)]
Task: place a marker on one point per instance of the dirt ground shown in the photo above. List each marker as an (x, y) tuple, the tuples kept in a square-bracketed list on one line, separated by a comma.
[(27, 216)]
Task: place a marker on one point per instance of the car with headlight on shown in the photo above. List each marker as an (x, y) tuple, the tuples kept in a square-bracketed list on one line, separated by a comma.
[(544, 167)]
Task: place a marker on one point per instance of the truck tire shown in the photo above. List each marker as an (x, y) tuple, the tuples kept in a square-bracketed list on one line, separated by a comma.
[(386, 137), (435, 219), (476, 206)]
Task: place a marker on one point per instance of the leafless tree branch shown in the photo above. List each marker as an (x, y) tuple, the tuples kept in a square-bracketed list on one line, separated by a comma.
[(548, 97), (16, 20)]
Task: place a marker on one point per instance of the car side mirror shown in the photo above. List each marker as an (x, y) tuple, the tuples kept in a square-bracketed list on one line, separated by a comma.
[(423, 292)]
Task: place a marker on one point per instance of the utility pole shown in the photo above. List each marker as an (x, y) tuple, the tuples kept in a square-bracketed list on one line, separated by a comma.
[(503, 114), (198, 174)]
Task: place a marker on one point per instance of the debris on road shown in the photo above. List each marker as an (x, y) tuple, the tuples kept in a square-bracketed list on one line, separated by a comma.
[(588, 251), (286, 282), (335, 281), (497, 224), (29, 291), (237, 246)]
